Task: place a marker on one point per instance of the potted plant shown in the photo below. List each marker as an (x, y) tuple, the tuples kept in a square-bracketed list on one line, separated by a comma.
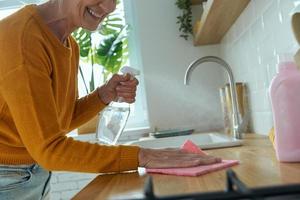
[(111, 53), (185, 19)]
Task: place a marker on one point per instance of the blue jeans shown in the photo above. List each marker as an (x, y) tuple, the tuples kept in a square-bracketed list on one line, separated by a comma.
[(24, 182)]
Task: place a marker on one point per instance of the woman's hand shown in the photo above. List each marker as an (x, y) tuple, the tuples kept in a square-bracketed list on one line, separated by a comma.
[(119, 86), (173, 158)]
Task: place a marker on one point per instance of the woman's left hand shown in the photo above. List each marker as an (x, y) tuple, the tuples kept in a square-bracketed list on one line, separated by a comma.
[(119, 86)]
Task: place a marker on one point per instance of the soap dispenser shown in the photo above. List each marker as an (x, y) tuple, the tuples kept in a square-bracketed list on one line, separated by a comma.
[(114, 117), (285, 101)]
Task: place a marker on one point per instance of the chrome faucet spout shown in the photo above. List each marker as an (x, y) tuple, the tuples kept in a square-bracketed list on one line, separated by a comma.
[(236, 117)]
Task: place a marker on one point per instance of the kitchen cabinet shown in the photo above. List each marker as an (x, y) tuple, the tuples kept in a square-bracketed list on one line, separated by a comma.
[(258, 167), (217, 18)]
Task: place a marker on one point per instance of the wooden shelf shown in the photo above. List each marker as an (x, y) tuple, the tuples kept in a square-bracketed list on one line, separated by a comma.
[(217, 18)]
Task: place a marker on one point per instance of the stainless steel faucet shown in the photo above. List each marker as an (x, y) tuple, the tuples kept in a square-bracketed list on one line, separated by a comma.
[(236, 117)]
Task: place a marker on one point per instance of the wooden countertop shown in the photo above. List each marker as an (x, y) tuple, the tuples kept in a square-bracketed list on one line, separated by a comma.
[(258, 167)]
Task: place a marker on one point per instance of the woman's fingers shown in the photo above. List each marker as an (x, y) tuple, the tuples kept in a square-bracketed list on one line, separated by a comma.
[(119, 86), (170, 158), (128, 94), (130, 81), (126, 89), (116, 80), (127, 97), (180, 162), (128, 100)]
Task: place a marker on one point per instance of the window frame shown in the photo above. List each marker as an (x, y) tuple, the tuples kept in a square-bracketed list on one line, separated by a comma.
[(142, 127)]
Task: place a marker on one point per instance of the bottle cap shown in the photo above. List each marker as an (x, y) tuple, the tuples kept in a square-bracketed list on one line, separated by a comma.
[(286, 61)]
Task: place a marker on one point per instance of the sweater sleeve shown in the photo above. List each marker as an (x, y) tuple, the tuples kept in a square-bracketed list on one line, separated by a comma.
[(30, 100), (86, 108)]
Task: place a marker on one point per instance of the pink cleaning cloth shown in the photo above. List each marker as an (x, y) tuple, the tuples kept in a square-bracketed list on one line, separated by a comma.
[(194, 171)]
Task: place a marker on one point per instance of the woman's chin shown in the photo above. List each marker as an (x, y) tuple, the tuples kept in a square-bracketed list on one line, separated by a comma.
[(90, 26)]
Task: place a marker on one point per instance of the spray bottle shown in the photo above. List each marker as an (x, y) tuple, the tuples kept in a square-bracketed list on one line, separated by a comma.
[(114, 117)]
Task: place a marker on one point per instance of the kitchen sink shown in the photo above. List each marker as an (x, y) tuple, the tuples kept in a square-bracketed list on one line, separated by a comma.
[(203, 140)]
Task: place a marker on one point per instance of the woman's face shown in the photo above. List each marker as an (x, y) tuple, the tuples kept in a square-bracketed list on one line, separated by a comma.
[(88, 14)]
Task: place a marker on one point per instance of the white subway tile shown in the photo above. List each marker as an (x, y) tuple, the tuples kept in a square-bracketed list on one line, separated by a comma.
[(266, 101), (267, 123), (267, 49), (258, 123), (260, 77), (271, 18), (234, 33), (286, 7), (267, 34), (66, 195), (261, 5), (82, 184), (260, 100), (75, 176), (257, 31), (59, 187), (253, 100), (53, 179), (248, 16), (55, 195), (240, 26), (272, 71), (251, 87), (64, 184)]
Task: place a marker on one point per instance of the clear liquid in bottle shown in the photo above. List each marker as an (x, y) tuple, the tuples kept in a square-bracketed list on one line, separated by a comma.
[(112, 122)]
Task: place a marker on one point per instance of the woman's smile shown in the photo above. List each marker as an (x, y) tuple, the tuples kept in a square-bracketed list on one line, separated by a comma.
[(94, 13)]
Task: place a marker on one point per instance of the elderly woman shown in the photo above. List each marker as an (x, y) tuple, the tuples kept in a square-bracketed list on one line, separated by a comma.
[(39, 102)]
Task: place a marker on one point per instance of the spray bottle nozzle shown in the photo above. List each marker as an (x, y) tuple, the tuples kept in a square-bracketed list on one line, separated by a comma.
[(130, 70)]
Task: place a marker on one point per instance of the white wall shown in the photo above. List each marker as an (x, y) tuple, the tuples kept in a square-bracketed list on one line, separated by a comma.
[(165, 57), (252, 46)]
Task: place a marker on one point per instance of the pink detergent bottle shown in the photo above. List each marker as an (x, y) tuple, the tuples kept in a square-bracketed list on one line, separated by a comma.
[(285, 100)]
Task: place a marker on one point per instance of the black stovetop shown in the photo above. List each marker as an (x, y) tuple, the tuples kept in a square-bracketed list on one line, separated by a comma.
[(235, 189)]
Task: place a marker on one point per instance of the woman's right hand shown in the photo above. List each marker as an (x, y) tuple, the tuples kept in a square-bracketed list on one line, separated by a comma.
[(173, 158), (119, 86)]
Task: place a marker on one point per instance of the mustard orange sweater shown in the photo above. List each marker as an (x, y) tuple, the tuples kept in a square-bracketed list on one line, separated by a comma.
[(39, 104)]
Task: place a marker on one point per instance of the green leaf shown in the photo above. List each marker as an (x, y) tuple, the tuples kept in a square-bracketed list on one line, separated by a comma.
[(84, 40), (112, 23), (110, 52), (185, 19)]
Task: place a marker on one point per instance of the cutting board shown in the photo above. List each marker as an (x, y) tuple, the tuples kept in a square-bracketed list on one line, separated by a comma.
[(296, 29)]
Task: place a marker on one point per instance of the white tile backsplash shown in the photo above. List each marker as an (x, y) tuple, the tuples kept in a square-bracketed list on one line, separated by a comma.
[(65, 185), (251, 47)]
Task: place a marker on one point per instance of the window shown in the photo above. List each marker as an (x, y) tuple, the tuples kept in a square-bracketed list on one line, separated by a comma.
[(138, 120), (16, 4)]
